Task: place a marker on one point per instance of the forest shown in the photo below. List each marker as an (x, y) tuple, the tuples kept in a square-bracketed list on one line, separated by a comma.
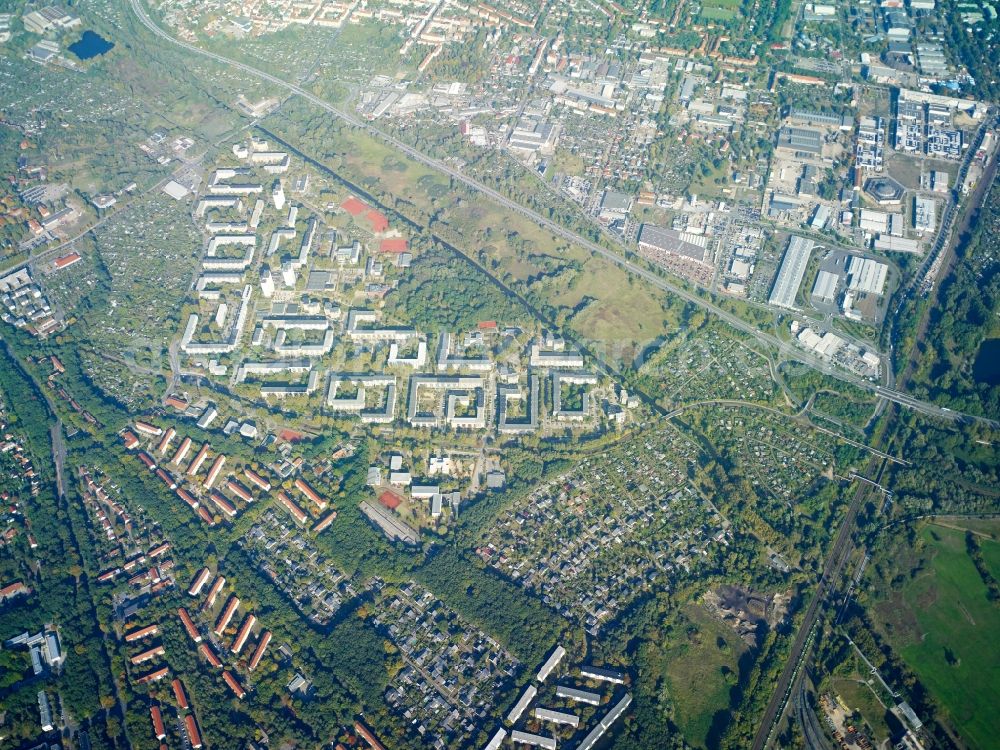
[(962, 320)]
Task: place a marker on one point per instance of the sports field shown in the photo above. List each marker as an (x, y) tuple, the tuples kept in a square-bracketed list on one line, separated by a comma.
[(946, 630), (720, 10)]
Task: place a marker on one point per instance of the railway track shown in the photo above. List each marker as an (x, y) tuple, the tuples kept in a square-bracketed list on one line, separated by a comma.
[(839, 553)]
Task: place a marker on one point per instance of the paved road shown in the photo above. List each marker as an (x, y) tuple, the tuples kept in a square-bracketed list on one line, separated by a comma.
[(787, 350), (56, 433), (59, 455)]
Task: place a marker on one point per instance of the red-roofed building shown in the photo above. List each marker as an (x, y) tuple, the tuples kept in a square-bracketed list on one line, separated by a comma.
[(213, 593), (67, 260), (147, 428), (244, 633), (165, 442), (297, 513), (159, 674), (148, 655), (145, 632), (394, 245), (189, 625), (257, 479), (353, 206), (178, 403), (390, 500), (179, 695), (290, 436), (239, 490), (13, 589), (377, 220), (199, 582), (159, 731), (186, 496), (302, 486), (198, 460), (166, 478), (368, 736), (206, 516), (235, 686), (159, 549), (182, 451), (259, 651), (194, 737), (223, 504), (227, 614), (209, 654), (130, 440), (213, 473), (324, 522)]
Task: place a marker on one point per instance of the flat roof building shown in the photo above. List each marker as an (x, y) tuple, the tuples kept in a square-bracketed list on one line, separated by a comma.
[(825, 288), (885, 190), (610, 718), (800, 141), (888, 244), (557, 717), (522, 703), (924, 214), (866, 275), (535, 740), (658, 241), (508, 393), (551, 663), (580, 696), (793, 268), (603, 674), (496, 740)]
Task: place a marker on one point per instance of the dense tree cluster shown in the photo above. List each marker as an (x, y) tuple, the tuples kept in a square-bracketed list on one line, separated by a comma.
[(962, 320)]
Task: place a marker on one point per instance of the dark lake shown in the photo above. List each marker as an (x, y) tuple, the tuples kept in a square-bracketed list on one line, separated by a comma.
[(91, 44), (987, 366)]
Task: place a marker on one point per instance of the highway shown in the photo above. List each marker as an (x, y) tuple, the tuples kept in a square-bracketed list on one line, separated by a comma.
[(790, 351)]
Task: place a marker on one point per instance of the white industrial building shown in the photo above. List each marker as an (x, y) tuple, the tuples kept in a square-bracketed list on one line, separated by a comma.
[(866, 275), (825, 288), (793, 268), (924, 214)]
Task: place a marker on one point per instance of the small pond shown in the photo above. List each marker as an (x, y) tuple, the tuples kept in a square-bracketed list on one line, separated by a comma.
[(91, 44), (987, 365)]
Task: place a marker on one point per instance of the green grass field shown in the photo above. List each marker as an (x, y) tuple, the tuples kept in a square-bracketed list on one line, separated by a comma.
[(701, 670), (947, 631), (860, 698), (718, 14), (720, 10)]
